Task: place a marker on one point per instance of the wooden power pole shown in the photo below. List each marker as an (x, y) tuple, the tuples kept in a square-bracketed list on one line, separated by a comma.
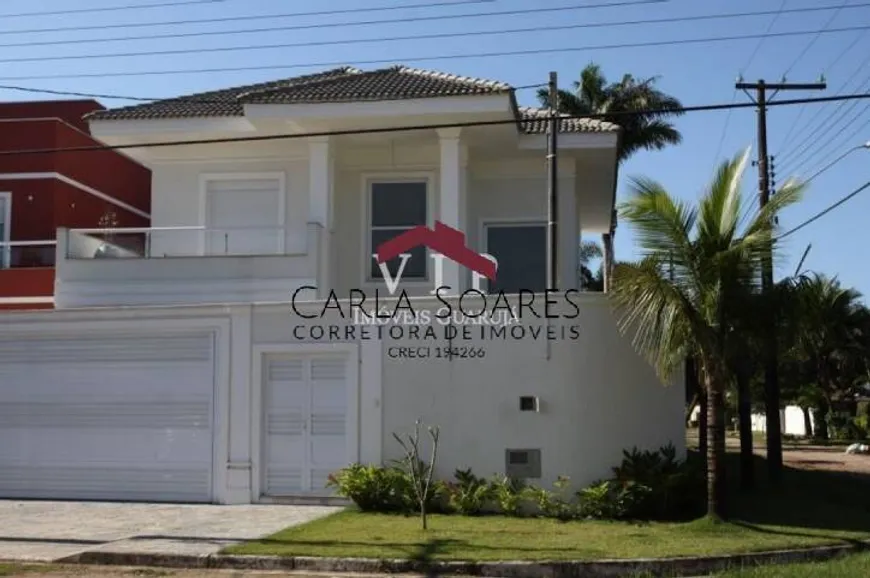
[(771, 373), (552, 185)]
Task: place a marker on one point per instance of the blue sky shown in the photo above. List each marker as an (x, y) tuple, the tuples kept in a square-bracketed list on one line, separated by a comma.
[(695, 73)]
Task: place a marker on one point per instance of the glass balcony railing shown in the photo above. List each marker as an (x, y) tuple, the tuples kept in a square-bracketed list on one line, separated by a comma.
[(27, 254), (159, 242)]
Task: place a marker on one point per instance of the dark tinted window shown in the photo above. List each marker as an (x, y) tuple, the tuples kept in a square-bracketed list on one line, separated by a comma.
[(396, 208), (521, 252)]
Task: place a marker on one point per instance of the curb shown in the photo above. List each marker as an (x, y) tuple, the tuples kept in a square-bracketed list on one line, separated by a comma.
[(659, 567)]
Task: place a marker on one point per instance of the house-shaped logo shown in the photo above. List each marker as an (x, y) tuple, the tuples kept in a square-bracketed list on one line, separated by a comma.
[(443, 240)]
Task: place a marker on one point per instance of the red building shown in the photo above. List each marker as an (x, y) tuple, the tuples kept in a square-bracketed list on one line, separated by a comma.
[(40, 192)]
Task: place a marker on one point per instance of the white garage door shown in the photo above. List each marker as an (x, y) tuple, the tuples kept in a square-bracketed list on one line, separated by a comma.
[(305, 406), (107, 417), (244, 217)]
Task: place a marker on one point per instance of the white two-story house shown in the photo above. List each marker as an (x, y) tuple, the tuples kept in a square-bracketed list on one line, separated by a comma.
[(195, 360)]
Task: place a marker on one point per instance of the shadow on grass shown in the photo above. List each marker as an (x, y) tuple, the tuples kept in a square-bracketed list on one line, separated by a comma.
[(808, 499)]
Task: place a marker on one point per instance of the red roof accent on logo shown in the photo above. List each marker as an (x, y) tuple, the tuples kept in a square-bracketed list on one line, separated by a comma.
[(443, 239)]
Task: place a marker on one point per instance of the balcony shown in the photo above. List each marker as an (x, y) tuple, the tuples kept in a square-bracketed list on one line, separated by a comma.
[(27, 274), (184, 265)]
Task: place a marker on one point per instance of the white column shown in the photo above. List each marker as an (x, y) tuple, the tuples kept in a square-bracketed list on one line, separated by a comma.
[(568, 233), (239, 459), (450, 202), (319, 198)]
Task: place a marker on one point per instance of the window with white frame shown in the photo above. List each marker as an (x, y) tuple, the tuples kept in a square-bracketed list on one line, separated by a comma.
[(395, 207)]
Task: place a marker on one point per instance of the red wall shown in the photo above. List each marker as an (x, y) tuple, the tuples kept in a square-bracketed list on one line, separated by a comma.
[(41, 205), (70, 111)]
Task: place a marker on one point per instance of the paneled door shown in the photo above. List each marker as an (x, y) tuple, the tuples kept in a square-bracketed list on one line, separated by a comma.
[(306, 417)]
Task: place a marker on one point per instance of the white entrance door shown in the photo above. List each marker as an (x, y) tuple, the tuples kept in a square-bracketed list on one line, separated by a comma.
[(99, 416), (306, 417), (244, 216)]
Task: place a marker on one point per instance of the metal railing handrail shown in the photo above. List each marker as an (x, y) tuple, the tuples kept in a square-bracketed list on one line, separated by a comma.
[(46, 243), (140, 230)]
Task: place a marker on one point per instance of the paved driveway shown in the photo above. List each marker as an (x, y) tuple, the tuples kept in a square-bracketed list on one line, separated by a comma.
[(51, 531)]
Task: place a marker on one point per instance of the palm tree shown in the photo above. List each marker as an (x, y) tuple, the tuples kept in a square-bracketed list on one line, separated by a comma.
[(594, 95), (590, 250), (684, 297), (831, 342)]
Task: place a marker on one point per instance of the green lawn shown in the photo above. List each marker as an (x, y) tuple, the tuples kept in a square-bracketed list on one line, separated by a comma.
[(812, 508), (848, 567)]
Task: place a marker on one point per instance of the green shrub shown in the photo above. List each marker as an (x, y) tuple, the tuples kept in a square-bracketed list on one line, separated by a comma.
[(469, 495), (554, 504), (509, 495), (611, 500), (373, 488), (675, 487)]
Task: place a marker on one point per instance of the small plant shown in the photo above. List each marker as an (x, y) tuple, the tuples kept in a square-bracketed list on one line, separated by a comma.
[(554, 504), (610, 500), (420, 472), (469, 494), (509, 494), (372, 488)]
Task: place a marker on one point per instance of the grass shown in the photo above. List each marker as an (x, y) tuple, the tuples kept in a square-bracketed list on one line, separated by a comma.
[(846, 567), (812, 508)]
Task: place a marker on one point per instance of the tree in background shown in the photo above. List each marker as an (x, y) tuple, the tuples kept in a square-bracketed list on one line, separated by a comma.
[(647, 130), (685, 296)]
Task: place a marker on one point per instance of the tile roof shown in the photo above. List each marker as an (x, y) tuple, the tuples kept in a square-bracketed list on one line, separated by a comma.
[(345, 84)]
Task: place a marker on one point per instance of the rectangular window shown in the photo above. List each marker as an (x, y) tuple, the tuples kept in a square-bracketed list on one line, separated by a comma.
[(521, 252), (396, 207)]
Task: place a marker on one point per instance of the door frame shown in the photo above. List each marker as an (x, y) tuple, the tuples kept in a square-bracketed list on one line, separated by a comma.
[(258, 383), (6, 250)]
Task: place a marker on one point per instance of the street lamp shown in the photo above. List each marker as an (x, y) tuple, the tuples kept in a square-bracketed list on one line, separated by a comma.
[(865, 146)]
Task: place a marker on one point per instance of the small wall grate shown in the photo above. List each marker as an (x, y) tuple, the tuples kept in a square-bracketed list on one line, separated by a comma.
[(523, 464)]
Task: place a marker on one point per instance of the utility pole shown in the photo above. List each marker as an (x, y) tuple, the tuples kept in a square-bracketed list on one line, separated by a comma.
[(771, 373), (552, 185)]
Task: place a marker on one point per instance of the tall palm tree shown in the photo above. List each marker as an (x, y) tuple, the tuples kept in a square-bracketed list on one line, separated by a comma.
[(684, 297), (593, 94)]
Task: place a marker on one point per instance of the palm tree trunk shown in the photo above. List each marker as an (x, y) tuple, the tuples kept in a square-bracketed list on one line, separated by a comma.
[(808, 422), (715, 447), (744, 412), (702, 424)]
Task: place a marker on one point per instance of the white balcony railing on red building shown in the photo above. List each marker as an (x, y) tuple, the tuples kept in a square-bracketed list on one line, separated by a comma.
[(27, 254), (184, 241)]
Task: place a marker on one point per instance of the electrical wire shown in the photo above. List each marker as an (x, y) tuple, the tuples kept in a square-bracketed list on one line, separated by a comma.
[(525, 52), (109, 8), (622, 22), (828, 166), (854, 134), (836, 60), (816, 137), (358, 10), (192, 99), (814, 39), (394, 129), (824, 212)]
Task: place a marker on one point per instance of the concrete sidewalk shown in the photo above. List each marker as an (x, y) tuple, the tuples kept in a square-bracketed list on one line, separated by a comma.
[(52, 531)]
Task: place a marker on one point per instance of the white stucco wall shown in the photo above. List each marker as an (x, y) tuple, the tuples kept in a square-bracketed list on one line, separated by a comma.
[(597, 395)]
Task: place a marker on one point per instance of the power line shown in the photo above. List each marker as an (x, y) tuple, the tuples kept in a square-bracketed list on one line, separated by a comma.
[(749, 61), (827, 70), (222, 33), (343, 41), (821, 214), (109, 9), (815, 137), (814, 39), (360, 10), (527, 52), (156, 98), (857, 131), (469, 124), (835, 161)]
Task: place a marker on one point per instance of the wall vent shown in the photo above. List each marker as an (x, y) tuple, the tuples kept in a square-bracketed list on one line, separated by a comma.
[(523, 464), (529, 403)]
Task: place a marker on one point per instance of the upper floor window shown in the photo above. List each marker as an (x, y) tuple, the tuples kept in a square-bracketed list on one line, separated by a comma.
[(396, 207), (521, 252)]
